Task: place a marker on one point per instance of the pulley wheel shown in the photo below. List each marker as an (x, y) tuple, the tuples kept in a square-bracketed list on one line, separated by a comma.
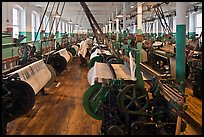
[(21, 50), (22, 99), (76, 48), (72, 50), (92, 103), (132, 100), (58, 62), (113, 127), (95, 59), (53, 75), (115, 130), (139, 128)]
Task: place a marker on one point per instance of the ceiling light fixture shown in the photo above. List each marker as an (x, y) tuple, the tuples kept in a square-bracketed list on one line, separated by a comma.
[(195, 9), (70, 21), (110, 21), (57, 15), (119, 16)]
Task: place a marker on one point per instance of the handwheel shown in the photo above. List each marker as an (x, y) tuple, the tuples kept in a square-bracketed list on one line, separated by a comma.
[(92, 100), (21, 50), (72, 50), (22, 99), (132, 100)]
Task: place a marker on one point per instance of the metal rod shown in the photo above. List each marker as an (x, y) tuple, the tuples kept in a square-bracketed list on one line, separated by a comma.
[(50, 15), (54, 19), (41, 23), (60, 16), (86, 9)]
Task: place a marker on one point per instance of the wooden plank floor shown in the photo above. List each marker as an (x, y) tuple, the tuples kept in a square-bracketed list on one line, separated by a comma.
[(195, 112), (61, 112)]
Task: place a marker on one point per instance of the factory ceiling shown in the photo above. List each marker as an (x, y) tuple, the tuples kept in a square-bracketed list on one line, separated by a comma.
[(103, 11)]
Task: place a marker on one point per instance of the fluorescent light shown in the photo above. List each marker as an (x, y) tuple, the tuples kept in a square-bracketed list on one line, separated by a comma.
[(119, 16), (57, 15), (110, 21), (70, 21)]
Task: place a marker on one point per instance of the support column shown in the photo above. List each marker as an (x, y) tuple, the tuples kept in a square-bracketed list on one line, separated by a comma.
[(106, 30), (191, 24), (69, 30), (139, 26), (110, 30), (117, 29), (180, 41), (187, 24), (113, 23), (134, 28), (159, 28), (124, 16)]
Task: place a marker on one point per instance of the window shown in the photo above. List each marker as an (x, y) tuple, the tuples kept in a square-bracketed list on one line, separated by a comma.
[(66, 27), (34, 25), (63, 27), (174, 24), (46, 24), (69, 29), (59, 28), (15, 23), (143, 27), (198, 26), (54, 27), (155, 27)]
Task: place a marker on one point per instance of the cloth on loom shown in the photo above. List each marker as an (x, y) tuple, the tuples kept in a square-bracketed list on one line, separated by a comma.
[(101, 71), (35, 74), (97, 52), (157, 43), (64, 53)]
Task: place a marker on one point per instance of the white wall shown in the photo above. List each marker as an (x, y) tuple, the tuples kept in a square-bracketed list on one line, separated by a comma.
[(7, 14)]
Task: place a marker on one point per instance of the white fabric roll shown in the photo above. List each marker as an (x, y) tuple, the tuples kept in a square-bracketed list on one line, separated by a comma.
[(35, 74), (63, 52)]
